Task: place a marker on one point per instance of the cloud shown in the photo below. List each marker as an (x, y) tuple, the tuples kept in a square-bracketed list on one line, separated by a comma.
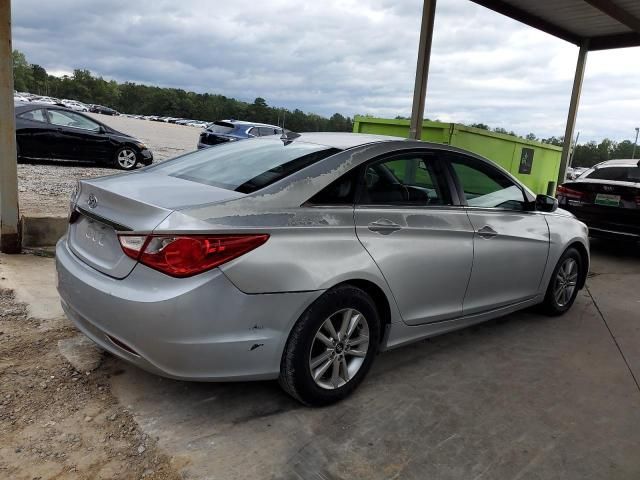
[(343, 56)]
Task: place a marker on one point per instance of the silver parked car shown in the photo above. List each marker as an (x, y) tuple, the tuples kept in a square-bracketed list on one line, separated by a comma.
[(301, 259)]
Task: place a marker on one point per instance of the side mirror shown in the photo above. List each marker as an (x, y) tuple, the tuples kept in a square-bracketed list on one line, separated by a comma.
[(545, 203)]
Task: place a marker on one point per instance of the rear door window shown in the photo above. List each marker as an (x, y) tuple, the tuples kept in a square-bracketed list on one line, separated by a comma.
[(244, 166), (408, 180)]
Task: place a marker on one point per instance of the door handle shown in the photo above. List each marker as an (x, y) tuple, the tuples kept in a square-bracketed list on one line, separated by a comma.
[(487, 232), (384, 226)]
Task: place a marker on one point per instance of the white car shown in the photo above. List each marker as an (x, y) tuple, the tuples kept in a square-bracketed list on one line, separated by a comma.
[(75, 105)]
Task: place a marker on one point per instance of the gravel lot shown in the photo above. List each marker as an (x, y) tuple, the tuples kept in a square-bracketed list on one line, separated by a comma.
[(44, 188)]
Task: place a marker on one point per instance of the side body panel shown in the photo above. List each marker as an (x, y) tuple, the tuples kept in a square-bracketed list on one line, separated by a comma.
[(507, 265), (427, 262), (79, 144), (564, 231), (311, 248), (34, 138)]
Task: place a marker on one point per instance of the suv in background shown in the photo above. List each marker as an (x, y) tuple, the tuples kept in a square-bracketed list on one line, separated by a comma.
[(232, 130)]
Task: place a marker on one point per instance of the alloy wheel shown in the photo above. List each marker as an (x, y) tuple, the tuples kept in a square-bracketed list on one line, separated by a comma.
[(565, 282), (127, 158), (339, 349)]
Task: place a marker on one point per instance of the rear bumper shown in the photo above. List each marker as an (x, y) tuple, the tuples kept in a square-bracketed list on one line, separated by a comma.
[(608, 222), (199, 328)]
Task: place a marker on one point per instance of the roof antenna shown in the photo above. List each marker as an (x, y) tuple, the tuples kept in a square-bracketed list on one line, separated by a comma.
[(285, 139)]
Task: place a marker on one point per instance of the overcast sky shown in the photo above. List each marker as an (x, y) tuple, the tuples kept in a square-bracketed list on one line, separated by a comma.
[(342, 56)]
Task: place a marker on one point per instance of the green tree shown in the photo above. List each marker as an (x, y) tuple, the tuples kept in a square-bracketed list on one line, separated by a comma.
[(22, 74)]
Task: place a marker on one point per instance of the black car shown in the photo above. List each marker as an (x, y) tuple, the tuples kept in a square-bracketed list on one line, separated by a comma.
[(52, 132), (606, 198), (232, 130), (103, 110)]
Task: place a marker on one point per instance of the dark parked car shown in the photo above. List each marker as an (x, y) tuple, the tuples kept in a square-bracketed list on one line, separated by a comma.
[(103, 110), (57, 133), (606, 198), (231, 130)]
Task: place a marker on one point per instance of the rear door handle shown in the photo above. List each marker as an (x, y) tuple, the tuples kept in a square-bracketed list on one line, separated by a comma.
[(487, 232), (384, 226)]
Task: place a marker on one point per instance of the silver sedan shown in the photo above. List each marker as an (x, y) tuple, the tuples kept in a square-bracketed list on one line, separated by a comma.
[(301, 259)]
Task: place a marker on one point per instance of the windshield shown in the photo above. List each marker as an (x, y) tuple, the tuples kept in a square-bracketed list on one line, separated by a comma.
[(620, 174), (245, 166)]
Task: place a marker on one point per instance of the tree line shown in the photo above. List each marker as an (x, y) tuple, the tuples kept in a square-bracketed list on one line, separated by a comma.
[(585, 154), (174, 102), (129, 97)]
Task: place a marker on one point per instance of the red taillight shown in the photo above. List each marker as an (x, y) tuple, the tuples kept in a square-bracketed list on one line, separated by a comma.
[(570, 193), (187, 255)]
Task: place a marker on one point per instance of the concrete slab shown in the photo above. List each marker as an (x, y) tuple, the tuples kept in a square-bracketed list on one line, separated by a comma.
[(614, 287), (43, 231), (525, 397), (33, 278)]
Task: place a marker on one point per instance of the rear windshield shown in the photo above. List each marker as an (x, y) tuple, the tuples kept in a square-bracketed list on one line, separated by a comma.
[(221, 127), (620, 174), (244, 166)]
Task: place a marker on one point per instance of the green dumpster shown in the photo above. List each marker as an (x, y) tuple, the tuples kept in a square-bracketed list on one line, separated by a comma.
[(535, 164)]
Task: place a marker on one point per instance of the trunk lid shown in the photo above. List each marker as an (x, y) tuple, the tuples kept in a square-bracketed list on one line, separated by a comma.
[(607, 193), (135, 202)]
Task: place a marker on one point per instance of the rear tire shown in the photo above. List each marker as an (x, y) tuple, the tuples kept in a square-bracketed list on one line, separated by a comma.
[(126, 158), (331, 347), (563, 286)]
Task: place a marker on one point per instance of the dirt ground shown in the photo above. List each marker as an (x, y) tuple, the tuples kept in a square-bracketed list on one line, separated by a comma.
[(56, 422), (44, 188)]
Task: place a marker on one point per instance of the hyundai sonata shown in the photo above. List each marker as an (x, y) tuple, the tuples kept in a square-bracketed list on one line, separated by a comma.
[(301, 259)]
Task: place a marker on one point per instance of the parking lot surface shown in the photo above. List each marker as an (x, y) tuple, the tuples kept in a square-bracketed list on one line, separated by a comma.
[(522, 397), (44, 188)]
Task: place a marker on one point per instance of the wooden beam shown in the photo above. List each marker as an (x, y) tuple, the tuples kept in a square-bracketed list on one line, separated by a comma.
[(422, 69), (525, 17), (622, 40), (616, 12), (9, 216)]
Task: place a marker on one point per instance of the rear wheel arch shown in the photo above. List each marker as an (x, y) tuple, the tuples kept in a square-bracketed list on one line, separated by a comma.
[(379, 297)]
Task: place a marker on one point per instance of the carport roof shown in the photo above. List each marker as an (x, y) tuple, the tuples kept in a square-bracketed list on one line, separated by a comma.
[(605, 24)]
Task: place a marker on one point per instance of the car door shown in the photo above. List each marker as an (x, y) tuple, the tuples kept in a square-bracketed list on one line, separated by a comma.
[(511, 241), (34, 134), (77, 137), (422, 242)]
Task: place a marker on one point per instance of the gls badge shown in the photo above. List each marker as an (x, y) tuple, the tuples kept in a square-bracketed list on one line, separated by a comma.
[(92, 201)]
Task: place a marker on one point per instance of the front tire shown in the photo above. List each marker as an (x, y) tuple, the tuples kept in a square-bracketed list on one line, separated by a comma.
[(126, 158), (331, 347), (563, 286)]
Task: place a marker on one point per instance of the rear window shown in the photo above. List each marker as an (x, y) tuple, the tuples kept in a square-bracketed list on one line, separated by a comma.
[(244, 166), (620, 174), (221, 127)]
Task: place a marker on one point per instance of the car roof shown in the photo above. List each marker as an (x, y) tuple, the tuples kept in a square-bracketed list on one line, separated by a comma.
[(343, 140), (625, 162), (243, 122)]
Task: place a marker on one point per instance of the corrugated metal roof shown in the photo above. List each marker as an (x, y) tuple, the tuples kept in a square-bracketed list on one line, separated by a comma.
[(605, 23)]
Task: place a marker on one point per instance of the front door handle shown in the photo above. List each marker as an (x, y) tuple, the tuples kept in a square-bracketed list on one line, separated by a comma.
[(487, 232), (384, 226)]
